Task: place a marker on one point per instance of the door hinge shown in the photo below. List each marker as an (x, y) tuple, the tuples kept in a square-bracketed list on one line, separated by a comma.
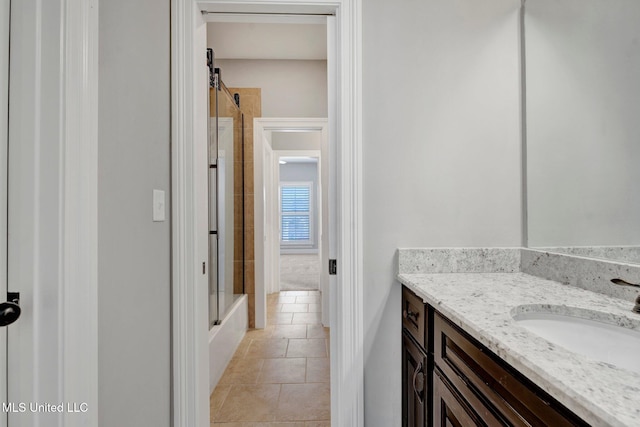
[(333, 266)]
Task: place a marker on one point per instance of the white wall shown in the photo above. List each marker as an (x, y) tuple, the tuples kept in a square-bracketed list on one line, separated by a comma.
[(289, 88), (134, 252), (244, 40), (303, 172), (583, 104), (441, 149)]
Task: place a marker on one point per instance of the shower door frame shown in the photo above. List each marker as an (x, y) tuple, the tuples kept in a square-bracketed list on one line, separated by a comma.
[(190, 349)]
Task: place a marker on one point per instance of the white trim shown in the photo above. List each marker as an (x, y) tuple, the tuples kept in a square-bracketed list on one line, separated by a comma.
[(347, 337), (253, 18), (270, 223), (302, 7), (189, 331)]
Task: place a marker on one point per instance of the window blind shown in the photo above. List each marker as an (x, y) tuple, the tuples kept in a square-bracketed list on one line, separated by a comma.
[(295, 207)]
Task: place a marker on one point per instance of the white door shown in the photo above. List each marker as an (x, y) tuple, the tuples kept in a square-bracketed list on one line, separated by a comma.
[(4, 107), (48, 212), (29, 230)]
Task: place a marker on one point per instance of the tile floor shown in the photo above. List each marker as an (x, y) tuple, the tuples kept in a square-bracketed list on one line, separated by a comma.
[(279, 376)]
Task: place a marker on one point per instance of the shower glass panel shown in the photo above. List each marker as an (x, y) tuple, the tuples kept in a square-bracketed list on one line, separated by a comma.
[(226, 203)]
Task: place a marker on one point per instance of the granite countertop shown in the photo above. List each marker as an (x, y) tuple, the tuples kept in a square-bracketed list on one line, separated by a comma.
[(482, 304)]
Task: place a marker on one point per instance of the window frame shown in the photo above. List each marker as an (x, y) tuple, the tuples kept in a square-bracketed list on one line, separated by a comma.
[(298, 243)]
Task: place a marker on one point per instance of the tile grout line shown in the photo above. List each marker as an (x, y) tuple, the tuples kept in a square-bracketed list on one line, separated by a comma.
[(306, 369), (261, 371), (275, 415), (221, 403)]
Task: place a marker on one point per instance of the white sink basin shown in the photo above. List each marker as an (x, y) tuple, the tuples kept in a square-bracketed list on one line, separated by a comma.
[(593, 334)]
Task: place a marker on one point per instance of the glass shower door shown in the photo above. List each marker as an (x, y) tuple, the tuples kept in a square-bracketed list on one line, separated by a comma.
[(226, 203)]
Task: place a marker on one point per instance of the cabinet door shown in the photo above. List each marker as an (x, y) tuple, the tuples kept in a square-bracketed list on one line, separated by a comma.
[(415, 387)]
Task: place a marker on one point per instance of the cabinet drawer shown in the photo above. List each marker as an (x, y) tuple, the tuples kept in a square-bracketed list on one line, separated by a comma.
[(450, 409), (414, 318), (474, 368)]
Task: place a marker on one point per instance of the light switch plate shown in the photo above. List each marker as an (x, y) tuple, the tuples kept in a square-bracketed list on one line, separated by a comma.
[(158, 205)]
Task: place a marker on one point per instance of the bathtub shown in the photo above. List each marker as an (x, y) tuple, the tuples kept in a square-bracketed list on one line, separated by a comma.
[(225, 338)]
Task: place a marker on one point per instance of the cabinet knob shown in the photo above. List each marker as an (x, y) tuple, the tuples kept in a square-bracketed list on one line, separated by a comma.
[(410, 314)]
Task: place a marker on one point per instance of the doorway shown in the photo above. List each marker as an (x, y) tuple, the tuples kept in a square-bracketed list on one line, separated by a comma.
[(269, 140), (300, 219), (281, 372), (344, 33), (295, 222), (287, 358)]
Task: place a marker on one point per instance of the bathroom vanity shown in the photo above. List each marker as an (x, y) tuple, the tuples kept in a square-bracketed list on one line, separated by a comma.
[(450, 379), (466, 360)]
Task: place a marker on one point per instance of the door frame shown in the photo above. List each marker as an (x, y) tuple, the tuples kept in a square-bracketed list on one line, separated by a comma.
[(271, 176), (264, 259), (190, 404), (319, 227), (56, 69)]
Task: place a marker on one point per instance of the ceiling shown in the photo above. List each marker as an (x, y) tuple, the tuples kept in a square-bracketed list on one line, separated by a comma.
[(244, 40)]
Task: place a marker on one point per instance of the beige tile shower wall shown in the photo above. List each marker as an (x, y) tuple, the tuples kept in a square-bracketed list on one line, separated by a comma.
[(251, 106)]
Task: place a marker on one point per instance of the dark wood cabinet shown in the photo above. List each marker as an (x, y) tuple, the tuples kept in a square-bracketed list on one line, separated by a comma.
[(452, 409), (414, 318), (415, 390), (417, 361), (451, 379), (489, 384)]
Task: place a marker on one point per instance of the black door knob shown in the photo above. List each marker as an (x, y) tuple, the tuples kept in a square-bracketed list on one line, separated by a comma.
[(10, 310)]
